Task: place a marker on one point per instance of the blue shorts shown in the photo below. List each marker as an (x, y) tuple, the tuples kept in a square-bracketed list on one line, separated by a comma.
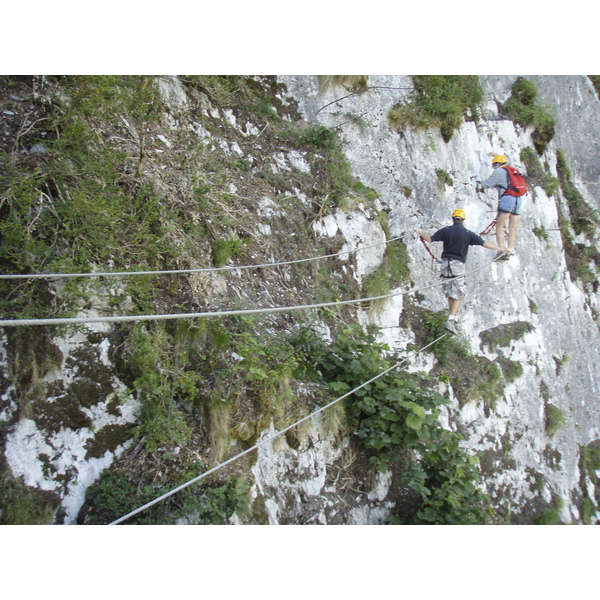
[(510, 204)]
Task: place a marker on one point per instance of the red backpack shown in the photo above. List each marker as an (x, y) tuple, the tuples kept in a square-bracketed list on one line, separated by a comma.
[(516, 182)]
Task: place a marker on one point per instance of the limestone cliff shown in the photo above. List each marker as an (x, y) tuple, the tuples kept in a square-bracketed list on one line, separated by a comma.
[(252, 167)]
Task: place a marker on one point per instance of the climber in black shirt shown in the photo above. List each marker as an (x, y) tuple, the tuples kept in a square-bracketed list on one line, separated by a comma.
[(456, 240)]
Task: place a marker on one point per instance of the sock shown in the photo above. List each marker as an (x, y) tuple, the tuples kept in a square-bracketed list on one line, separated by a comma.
[(451, 318)]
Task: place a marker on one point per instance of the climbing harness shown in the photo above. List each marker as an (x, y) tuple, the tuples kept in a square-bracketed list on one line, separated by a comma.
[(268, 439), (448, 272)]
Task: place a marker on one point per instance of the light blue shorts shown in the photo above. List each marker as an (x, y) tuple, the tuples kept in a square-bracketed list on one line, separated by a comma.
[(510, 204)]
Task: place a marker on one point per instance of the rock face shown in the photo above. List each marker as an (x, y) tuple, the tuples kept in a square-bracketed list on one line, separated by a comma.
[(560, 354), (530, 311)]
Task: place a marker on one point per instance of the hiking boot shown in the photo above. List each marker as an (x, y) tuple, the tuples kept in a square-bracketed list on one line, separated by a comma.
[(451, 326), (502, 255)]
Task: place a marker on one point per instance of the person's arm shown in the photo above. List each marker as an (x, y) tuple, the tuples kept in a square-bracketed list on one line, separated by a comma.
[(496, 178), (426, 237), (494, 247)]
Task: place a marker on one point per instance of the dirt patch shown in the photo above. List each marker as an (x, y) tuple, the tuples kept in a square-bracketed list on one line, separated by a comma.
[(502, 335), (59, 409), (108, 439)]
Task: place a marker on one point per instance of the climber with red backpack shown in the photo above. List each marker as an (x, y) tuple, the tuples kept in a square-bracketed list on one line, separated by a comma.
[(511, 188)]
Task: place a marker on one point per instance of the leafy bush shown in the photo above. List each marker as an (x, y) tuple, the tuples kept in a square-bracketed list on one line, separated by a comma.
[(396, 415), (446, 477), (387, 413), (113, 496)]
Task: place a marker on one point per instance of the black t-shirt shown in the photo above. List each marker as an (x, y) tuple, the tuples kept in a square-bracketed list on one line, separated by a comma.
[(456, 240)]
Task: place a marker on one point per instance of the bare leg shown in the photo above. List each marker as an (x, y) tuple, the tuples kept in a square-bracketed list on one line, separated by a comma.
[(453, 305), (500, 221), (512, 230)]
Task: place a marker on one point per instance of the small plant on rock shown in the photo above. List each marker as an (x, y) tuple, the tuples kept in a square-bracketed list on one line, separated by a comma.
[(555, 420)]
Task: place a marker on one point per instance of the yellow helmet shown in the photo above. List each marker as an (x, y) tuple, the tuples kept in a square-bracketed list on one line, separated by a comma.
[(499, 159), (460, 213)]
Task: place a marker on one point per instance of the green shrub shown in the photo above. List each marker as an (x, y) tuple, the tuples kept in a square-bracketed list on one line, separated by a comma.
[(113, 496), (446, 477), (443, 178), (158, 363), (439, 101), (20, 504), (75, 209), (589, 465), (536, 174), (523, 109), (552, 515), (541, 233), (222, 250), (449, 348), (583, 218)]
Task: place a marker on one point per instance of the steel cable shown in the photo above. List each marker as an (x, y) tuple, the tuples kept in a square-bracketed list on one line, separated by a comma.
[(178, 271), (266, 440), (224, 313)]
